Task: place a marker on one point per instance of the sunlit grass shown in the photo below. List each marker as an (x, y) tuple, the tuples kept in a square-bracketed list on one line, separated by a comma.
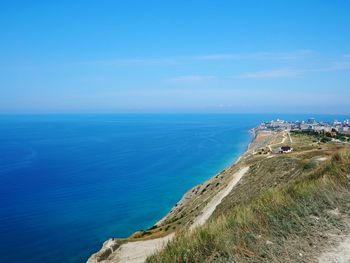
[(256, 231)]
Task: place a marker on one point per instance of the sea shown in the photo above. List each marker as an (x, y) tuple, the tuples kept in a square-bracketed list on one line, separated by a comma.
[(68, 182)]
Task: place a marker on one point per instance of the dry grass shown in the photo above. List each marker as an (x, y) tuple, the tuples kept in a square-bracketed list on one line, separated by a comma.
[(280, 221)]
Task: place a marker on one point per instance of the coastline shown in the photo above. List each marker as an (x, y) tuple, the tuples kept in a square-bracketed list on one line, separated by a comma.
[(111, 247), (230, 165)]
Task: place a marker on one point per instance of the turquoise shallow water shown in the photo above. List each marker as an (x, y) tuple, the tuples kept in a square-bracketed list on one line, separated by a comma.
[(69, 182)]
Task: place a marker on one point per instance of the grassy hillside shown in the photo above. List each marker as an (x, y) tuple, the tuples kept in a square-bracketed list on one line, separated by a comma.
[(282, 211)]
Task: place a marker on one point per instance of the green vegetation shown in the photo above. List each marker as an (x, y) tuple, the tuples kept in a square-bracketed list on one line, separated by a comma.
[(278, 222), (310, 165), (324, 136)]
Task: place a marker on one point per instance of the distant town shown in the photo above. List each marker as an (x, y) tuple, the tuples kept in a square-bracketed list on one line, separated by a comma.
[(323, 132), (311, 125)]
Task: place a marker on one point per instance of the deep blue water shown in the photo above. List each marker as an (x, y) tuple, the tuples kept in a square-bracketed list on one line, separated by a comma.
[(69, 182)]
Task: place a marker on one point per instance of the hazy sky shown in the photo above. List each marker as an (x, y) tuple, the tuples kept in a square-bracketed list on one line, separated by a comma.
[(175, 56)]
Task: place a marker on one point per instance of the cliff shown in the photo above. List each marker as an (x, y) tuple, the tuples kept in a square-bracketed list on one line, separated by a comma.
[(256, 208)]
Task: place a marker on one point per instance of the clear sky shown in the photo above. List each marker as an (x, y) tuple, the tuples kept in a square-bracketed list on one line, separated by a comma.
[(175, 56)]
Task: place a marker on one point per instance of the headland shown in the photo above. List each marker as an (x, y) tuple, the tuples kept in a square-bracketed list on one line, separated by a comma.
[(277, 156)]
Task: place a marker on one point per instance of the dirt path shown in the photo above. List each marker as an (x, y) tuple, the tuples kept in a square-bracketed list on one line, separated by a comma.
[(137, 252), (339, 254), (216, 200), (282, 142), (290, 138)]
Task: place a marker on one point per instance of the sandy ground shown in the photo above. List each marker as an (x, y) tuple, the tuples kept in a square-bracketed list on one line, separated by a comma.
[(216, 200), (137, 252), (282, 142), (260, 141), (339, 254)]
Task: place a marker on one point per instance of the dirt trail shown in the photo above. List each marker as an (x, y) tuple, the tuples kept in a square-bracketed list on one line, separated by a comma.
[(282, 142), (137, 252), (216, 200), (339, 254)]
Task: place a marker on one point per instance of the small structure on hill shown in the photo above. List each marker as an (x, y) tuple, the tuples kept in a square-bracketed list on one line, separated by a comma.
[(286, 149)]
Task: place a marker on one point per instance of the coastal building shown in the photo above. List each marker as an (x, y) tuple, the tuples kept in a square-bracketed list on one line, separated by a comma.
[(321, 128), (345, 130), (286, 149), (306, 127), (311, 125), (311, 121), (278, 125)]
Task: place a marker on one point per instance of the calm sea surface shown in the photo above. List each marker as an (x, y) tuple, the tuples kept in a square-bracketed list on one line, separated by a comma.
[(69, 182)]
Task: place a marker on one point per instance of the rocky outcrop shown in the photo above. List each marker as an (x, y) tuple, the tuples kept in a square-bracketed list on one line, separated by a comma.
[(107, 249)]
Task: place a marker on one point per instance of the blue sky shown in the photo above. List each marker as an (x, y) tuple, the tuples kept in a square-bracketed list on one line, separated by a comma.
[(175, 56)]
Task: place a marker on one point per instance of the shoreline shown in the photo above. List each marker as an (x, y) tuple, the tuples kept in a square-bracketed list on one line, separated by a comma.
[(113, 245), (235, 161)]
